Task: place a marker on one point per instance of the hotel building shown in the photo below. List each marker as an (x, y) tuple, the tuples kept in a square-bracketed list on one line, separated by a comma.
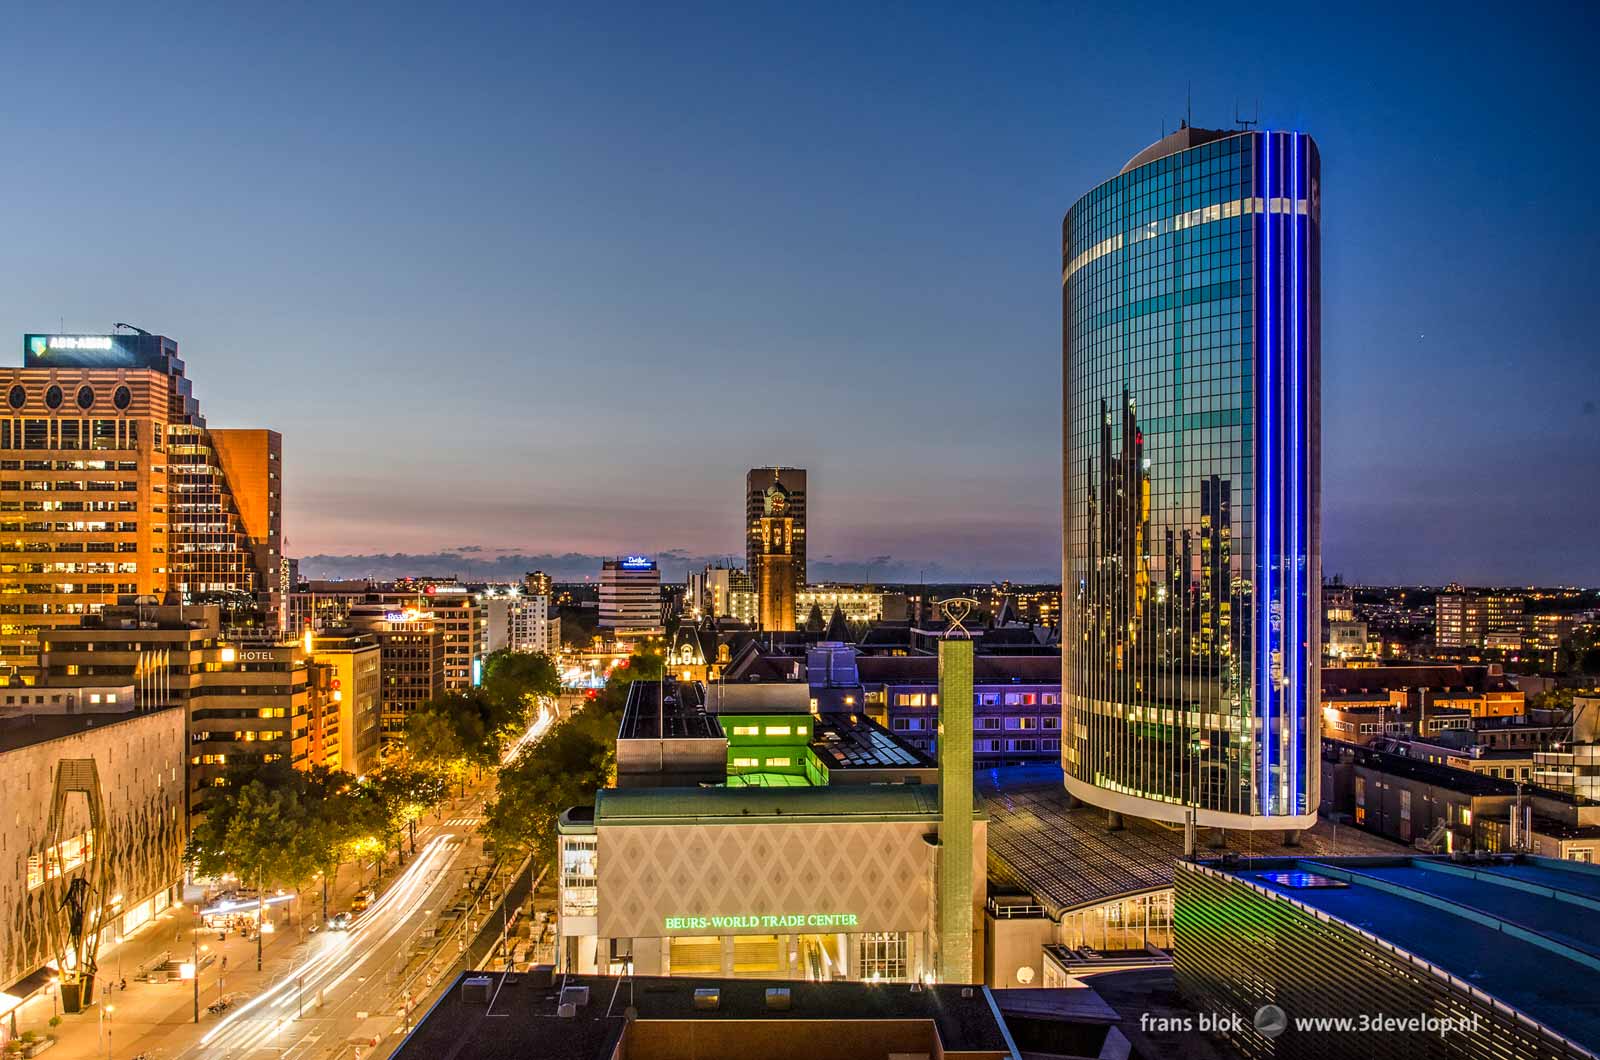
[(113, 486), (630, 596), (1191, 358), (244, 701)]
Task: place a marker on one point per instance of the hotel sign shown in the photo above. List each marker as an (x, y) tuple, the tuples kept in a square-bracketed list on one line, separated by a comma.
[(750, 920)]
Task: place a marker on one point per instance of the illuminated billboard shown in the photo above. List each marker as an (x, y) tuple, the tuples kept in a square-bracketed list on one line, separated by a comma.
[(638, 563), (97, 351)]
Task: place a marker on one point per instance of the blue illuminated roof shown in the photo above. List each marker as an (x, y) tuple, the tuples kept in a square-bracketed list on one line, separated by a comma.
[(1523, 931)]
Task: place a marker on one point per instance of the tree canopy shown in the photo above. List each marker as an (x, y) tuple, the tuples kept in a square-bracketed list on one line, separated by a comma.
[(574, 759), (273, 826), (467, 729)]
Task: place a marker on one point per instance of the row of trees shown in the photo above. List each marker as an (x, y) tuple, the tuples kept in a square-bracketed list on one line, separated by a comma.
[(565, 768), (272, 826)]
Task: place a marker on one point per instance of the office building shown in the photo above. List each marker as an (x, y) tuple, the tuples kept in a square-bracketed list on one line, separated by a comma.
[(1467, 620), (857, 605), (113, 486), (749, 838), (1488, 958), (535, 625), (354, 683), (126, 830), (1191, 358), (724, 593), (538, 583), (630, 596), (775, 542), (1016, 704), (411, 661)]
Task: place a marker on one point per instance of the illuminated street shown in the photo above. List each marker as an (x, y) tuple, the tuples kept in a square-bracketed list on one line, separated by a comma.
[(540, 726), (350, 976)]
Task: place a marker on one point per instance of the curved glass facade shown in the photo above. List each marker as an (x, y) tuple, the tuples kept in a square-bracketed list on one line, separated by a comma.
[(1191, 555)]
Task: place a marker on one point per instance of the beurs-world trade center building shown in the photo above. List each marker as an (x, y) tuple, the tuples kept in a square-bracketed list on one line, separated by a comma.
[(1191, 550)]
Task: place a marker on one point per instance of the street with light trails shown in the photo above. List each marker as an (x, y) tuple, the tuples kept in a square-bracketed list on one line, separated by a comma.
[(313, 1008)]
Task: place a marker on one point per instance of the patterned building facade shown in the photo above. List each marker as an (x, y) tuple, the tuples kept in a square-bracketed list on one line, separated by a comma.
[(139, 757)]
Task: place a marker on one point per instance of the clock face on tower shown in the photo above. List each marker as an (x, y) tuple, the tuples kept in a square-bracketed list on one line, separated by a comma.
[(777, 501)]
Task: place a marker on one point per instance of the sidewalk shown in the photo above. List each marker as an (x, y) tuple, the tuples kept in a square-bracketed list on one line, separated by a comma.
[(157, 1018)]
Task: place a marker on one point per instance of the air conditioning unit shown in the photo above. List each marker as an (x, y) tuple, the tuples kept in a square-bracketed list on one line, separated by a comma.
[(476, 989), (576, 996)]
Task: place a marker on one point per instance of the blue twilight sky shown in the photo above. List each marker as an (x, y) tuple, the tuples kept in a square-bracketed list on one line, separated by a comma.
[(548, 280)]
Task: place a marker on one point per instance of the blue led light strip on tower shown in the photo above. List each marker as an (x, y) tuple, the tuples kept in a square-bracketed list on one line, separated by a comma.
[(1295, 421), (1264, 486)]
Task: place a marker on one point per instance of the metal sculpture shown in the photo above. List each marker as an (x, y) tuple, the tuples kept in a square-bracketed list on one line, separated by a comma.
[(956, 609), (77, 894)]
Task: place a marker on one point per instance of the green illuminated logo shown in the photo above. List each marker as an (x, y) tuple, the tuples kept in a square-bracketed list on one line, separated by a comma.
[(39, 344), (761, 920)]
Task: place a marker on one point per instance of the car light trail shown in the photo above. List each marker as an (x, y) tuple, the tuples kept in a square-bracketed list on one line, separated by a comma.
[(338, 955)]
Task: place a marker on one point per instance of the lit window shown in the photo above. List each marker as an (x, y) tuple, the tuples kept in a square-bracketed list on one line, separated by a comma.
[(779, 763), (780, 730), (747, 730), (746, 763)]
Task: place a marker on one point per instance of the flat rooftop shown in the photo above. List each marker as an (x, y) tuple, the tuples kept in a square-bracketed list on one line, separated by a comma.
[(673, 710), (1459, 780), (25, 730), (768, 805), (520, 1019), (1520, 928), (1066, 859)]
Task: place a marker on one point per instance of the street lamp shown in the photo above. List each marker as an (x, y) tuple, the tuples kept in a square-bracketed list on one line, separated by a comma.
[(195, 965)]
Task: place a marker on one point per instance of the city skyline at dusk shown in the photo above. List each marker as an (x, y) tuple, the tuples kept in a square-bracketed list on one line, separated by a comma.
[(678, 248), (645, 532)]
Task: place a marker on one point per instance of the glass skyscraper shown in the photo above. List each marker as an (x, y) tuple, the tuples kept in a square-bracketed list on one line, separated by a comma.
[(1191, 489)]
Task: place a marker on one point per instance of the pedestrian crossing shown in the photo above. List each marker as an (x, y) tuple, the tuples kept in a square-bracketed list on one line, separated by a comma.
[(461, 822)]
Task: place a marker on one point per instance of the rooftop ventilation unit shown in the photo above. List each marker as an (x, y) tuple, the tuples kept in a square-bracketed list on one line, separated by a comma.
[(475, 990), (576, 996), (707, 998)]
